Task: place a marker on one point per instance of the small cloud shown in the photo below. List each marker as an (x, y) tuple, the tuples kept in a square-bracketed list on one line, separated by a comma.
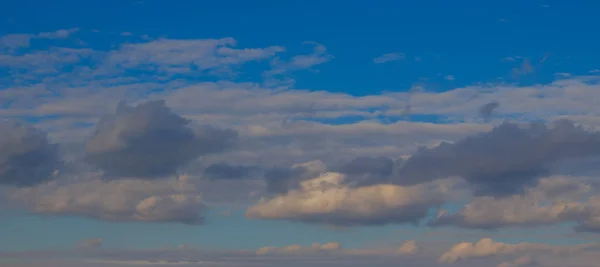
[(90, 243), (546, 6), (524, 69), (58, 34), (418, 59), (595, 71), (486, 110), (563, 74), (126, 34), (450, 77), (389, 57)]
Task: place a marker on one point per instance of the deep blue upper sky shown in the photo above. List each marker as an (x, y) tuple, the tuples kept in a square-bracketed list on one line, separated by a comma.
[(466, 39)]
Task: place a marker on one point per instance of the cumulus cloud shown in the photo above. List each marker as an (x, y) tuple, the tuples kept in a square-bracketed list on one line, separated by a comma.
[(327, 199), (487, 247), (168, 200), (505, 160), (26, 156), (150, 141)]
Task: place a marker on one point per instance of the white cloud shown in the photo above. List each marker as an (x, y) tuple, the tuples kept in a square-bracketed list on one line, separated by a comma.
[(487, 247), (326, 199)]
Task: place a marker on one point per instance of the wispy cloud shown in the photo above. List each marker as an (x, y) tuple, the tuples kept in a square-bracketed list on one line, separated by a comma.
[(388, 57)]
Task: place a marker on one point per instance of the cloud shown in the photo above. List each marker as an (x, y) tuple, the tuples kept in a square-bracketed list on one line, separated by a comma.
[(26, 156), (487, 247), (64, 33), (486, 110), (300, 62), (224, 171), (328, 200), (524, 261), (409, 247), (171, 55), (388, 57), (554, 200), (298, 249), (14, 41), (167, 200), (281, 180), (90, 243), (150, 141), (503, 161), (524, 69)]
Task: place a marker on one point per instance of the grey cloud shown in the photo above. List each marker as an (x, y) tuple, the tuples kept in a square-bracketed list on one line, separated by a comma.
[(150, 141), (281, 180), (503, 161), (26, 156), (224, 171), (486, 110), (365, 170)]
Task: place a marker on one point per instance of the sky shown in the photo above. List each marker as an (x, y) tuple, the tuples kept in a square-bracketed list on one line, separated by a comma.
[(323, 133)]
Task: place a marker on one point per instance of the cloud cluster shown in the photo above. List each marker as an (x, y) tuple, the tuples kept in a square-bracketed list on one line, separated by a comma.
[(504, 161)]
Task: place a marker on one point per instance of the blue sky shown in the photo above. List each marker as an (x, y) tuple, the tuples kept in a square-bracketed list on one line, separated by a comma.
[(319, 95)]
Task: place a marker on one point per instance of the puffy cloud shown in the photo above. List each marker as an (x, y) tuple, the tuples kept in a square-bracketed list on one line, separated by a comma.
[(505, 160), (487, 247), (150, 141), (327, 199), (26, 156), (409, 247), (90, 243), (169, 200)]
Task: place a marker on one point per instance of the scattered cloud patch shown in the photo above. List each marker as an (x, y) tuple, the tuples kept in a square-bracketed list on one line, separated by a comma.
[(389, 57)]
